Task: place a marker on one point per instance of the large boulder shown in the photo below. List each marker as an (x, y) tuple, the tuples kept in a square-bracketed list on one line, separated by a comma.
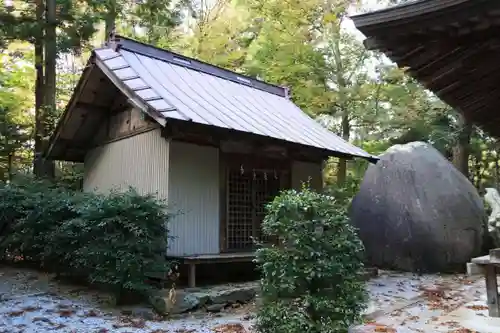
[(416, 212)]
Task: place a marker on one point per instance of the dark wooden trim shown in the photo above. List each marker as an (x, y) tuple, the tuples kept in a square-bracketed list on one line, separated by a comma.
[(252, 161), (216, 258), (128, 135), (213, 136), (423, 15), (84, 78)]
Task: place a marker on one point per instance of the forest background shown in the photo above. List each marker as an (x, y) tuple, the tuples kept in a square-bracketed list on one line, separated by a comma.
[(310, 46)]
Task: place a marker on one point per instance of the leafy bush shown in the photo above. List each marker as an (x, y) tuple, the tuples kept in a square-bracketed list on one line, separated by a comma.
[(344, 194), (112, 239), (311, 282), (118, 239)]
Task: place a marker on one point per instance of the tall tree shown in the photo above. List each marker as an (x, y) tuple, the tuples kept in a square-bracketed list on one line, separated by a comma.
[(157, 20), (285, 51), (38, 41), (52, 27), (50, 79), (220, 33)]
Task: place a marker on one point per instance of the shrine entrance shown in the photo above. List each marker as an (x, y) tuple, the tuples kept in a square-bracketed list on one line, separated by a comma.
[(249, 188)]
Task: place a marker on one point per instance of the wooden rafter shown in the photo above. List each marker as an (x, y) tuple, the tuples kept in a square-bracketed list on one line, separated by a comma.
[(451, 46)]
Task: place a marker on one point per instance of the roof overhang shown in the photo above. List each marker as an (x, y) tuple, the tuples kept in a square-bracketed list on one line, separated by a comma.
[(450, 46), (172, 88)]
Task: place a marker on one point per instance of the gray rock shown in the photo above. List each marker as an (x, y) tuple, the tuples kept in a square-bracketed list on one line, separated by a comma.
[(215, 307), (138, 311), (203, 298), (416, 212), (144, 313), (183, 303), (235, 295)]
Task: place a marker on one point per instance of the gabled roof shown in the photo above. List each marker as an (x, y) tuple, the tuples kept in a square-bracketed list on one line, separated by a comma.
[(170, 86)]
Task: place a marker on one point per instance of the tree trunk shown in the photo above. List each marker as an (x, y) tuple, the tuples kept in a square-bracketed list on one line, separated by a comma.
[(342, 166), (39, 93), (110, 19), (461, 150), (497, 166), (50, 80), (9, 166)]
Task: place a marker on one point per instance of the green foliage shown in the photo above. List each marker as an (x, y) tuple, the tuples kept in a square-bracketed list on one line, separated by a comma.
[(343, 194), (311, 282), (118, 238), (112, 239), (16, 82)]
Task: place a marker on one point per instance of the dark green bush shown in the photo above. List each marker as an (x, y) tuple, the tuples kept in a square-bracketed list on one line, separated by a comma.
[(112, 239), (312, 281), (118, 239)]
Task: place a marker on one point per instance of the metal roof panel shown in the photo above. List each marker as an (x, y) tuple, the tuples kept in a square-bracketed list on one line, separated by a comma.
[(180, 91)]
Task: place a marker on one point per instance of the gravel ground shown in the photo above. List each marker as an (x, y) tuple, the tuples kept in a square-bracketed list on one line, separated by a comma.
[(400, 302)]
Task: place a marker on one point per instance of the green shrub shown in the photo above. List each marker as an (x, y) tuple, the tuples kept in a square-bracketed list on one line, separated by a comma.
[(118, 239), (312, 281), (344, 194), (112, 239)]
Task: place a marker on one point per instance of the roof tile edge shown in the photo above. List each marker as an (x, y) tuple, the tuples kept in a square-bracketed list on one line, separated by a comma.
[(132, 45)]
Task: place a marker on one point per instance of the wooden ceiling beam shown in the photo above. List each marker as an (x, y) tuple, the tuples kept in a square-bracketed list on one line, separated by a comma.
[(469, 68), (462, 85), (480, 103), (469, 94), (91, 107), (443, 66), (487, 114)]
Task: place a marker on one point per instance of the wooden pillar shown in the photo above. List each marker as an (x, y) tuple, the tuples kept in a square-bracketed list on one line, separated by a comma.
[(192, 275), (492, 291)]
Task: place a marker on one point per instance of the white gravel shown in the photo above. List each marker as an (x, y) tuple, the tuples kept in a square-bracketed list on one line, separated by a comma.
[(46, 313)]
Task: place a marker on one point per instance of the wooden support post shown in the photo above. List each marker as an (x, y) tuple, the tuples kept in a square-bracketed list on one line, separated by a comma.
[(492, 291), (495, 256), (192, 275)]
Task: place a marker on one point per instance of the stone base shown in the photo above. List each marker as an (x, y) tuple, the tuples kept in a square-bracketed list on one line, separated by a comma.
[(213, 299), (370, 272)]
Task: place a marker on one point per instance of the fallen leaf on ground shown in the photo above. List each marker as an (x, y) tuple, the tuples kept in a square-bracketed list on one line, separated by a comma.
[(477, 307), (31, 308), (130, 322), (384, 329), (92, 313), (55, 326), (229, 328), (66, 312), (16, 313)]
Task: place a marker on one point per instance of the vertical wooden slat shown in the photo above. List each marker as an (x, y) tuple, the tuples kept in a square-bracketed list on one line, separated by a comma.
[(223, 202)]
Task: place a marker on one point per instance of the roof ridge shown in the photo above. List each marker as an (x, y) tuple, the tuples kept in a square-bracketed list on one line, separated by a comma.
[(148, 50)]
